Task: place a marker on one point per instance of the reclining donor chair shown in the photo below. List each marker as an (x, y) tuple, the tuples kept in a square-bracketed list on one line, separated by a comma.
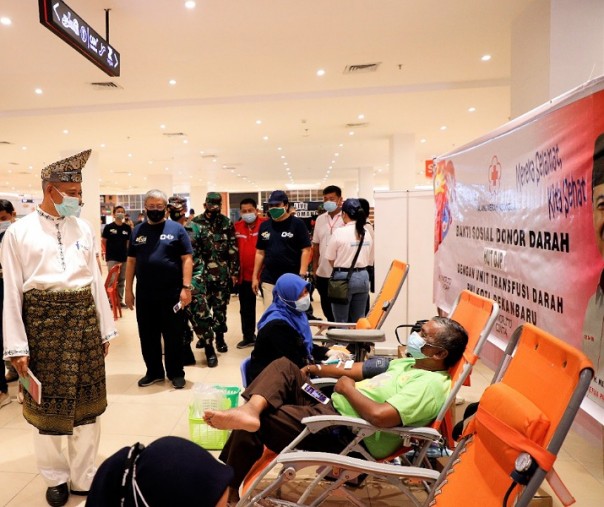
[(477, 314), (361, 334)]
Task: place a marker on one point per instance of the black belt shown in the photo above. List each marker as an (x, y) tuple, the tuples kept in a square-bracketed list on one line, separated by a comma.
[(347, 270)]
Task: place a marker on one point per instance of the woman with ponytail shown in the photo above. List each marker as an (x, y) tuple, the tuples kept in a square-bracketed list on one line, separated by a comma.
[(341, 252)]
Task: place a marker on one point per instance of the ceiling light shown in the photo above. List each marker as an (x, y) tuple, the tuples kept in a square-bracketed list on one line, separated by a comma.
[(471, 109), (258, 122), (336, 154), (444, 127), (422, 141), (265, 138), (185, 141), (5, 21), (340, 145), (172, 82), (190, 4), (38, 91), (485, 58), (351, 133), (129, 155), (162, 126), (361, 117), (333, 162), (66, 131), (23, 148), (321, 72), (102, 145)]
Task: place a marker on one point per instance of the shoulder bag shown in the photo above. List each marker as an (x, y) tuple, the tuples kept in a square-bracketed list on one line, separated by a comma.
[(337, 290)]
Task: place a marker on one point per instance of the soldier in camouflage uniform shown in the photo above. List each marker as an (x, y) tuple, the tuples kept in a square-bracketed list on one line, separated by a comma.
[(221, 269), (198, 309)]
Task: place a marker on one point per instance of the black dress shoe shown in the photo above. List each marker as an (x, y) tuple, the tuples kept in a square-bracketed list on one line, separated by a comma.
[(211, 357), (57, 496), (221, 345)]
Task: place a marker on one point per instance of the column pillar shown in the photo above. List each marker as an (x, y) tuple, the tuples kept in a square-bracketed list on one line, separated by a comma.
[(402, 162), (366, 183), (350, 189)]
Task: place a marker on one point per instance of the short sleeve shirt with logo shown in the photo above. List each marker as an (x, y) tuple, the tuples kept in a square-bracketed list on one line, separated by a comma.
[(117, 237), (282, 243), (158, 249)]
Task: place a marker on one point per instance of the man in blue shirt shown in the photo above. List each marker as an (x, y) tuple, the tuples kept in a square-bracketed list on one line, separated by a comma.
[(283, 246), (160, 255)]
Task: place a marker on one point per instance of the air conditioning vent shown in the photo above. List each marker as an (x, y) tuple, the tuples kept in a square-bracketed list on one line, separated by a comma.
[(105, 85), (13, 163), (208, 156), (361, 68), (357, 125), (6, 142), (174, 134)]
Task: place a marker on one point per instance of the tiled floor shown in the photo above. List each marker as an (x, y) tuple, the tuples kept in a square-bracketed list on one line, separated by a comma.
[(136, 414)]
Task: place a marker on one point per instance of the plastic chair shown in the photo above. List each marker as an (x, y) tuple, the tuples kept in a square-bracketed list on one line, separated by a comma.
[(358, 335), (477, 314), (111, 283)]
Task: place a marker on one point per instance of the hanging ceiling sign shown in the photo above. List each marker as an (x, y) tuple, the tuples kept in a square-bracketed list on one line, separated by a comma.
[(60, 19)]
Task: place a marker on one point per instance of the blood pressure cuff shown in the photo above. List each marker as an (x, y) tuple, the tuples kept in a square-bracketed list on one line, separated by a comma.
[(375, 365)]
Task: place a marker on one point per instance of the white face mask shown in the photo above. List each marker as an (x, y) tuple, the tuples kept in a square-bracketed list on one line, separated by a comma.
[(303, 303), (248, 218), (330, 206)]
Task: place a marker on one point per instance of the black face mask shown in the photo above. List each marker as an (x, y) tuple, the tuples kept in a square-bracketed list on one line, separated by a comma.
[(156, 215), (176, 215)]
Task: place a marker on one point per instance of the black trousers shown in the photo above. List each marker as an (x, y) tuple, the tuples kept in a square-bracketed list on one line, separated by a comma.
[(280, 384), (247, 310), (156, 319), (325, 304)]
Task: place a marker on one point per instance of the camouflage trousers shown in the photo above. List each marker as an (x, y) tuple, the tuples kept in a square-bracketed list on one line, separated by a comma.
[(207, 311)]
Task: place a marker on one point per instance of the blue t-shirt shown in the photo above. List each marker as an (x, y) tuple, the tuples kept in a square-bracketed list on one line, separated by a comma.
[(282, 243), (158, 249)]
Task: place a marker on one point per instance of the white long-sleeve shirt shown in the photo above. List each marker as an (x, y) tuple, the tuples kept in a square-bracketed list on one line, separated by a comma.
[(48, 253)]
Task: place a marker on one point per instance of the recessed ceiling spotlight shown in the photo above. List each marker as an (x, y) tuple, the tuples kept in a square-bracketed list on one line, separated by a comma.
[(279, 148), (265, 138), (422, 141), (285, 163), (340, 145), (361, 117), (258, 122), (38, 91), (66, 131), (167, 168), (485, 58), (336, 154), (172, 82), (102, 145), (282, 156), (333, 162), (185, 141), (190, 4), (471, 109), (24, 148), (351, 133), (444, 127), (162, 126), (5, 21), (321, 72)]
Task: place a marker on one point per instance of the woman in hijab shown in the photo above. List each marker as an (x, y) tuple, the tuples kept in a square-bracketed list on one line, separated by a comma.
[(170, 471), (283, 329)]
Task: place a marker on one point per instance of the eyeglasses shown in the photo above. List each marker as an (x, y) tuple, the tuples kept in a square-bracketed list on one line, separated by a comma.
[(154, 208), (425, 335)]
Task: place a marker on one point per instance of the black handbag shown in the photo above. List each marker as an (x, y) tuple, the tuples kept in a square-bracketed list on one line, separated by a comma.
[(337, 290)]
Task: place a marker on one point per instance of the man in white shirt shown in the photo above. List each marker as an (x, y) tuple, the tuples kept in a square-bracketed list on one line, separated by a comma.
[(324, 227), (58, 323)]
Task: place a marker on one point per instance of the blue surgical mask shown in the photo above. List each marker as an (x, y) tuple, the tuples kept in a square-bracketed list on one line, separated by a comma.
[(415, 343), (303, 303), (330, 206), (248, 218), (70, 207)]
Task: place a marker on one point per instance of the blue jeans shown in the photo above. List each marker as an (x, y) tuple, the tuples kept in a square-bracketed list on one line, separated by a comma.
[(358, 295)]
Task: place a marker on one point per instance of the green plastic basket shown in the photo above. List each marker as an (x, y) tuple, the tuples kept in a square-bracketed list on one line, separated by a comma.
[(204, 435)]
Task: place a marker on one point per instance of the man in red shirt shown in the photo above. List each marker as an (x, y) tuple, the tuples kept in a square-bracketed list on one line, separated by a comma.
[(246, 232)]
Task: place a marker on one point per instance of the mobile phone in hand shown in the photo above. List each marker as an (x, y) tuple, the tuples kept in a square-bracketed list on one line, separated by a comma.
[(315, 393), (177, 307)]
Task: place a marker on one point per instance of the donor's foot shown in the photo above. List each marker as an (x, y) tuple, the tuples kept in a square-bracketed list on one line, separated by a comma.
[(240, 418)]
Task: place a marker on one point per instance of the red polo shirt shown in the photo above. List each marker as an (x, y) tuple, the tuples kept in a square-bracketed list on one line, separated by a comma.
[(247, 236)]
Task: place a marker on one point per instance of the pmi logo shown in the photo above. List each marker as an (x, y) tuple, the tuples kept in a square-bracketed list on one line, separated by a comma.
[(494, 173)]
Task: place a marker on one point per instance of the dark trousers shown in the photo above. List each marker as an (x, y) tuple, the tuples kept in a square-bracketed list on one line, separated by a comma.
[(325, 304), (3, 384), (156, 318), (247, 310), (280, 384)]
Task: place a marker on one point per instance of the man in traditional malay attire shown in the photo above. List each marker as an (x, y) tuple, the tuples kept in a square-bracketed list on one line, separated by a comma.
[(58, 323)]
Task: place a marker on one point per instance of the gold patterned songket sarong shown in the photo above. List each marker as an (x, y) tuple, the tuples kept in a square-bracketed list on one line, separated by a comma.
[(66, 354)]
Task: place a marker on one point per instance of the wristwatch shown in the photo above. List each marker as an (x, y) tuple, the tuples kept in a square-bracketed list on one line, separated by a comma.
[(188, 287)]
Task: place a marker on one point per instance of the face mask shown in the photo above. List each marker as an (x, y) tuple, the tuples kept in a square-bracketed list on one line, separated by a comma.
[(70, 207), (120, 216), (248, 218), (414, 345), (303, 303), (276, 213), (175, 215), (330, 206), (4, 226), (156, 215)]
